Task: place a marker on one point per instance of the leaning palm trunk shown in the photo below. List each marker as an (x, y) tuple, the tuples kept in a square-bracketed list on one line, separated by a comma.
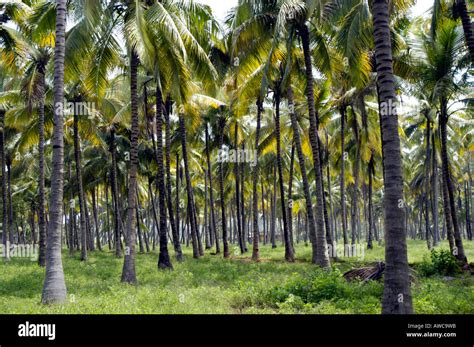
[(128, 270), (449, 198), (189, 187), (467, 26), (54, 289), (77, 157), (256, 234), (164, 259), (396, 296), (174, 226), (319, 243), (304, 175), (289, 256), (41, 197)]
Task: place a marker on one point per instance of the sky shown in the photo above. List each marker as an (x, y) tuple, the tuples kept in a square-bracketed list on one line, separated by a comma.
[(220, 7)]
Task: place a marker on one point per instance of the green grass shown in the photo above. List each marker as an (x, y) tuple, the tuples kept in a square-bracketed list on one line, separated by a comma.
[(237, 285)]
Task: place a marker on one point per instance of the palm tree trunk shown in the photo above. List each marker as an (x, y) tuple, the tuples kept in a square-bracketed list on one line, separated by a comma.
[(211, 193), (427, 185), (77, 157), (319, 243), (41, 193), (163, 258), (342, 178), (256, 234), (174, 226), (189, 187), (396, 296), (370, 212), (449, 198), (289, 256), (10, 200), (115, 198), (290, 196), (5, 236), (299, 151), (467, 26), (221, 191), (237, 192), (128, 270), (354, 207), (54, 289), (435, 193)]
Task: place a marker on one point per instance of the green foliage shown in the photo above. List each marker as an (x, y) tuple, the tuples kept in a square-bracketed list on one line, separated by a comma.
[(441, 262)]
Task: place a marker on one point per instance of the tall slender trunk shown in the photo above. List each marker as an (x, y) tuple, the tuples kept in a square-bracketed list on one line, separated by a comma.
[(211, 193), (290, 196), (71, 213), (256, 234), (273, 209), (128, 270), (174, 226), (396, 296), (467, 204), (245, 229), (297, 138), (54, 289), (237, 192), (289, 256), (427, 185), (371, 170), (221, 191), (163, 258), (77, 158), (178, 206), (41, 181), (435, 193), (109, 236), (319, 244), (189, 187), (207, 228), (10, 200), (342, 178), (449, 198), (354, 203), (5, 236), (96, 219), (115, 197)]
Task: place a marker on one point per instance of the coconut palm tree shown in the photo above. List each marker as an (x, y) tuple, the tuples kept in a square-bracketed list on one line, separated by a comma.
[(54, 289), (397, 296)]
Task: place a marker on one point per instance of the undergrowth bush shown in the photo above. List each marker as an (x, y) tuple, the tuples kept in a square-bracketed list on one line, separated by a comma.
[(441, 262)]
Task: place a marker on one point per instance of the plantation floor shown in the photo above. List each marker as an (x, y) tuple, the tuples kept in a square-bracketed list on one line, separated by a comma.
[(237, 285)]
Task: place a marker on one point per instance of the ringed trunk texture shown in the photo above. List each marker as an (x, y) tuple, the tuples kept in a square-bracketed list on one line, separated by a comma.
[(289, 256), (396, 295), (320, 251), (128, 270), (256, 234), (163, 258), (41, 189), (54, 289)]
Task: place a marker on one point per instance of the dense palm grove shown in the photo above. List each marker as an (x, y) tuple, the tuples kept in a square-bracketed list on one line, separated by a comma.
[(148, 124)]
